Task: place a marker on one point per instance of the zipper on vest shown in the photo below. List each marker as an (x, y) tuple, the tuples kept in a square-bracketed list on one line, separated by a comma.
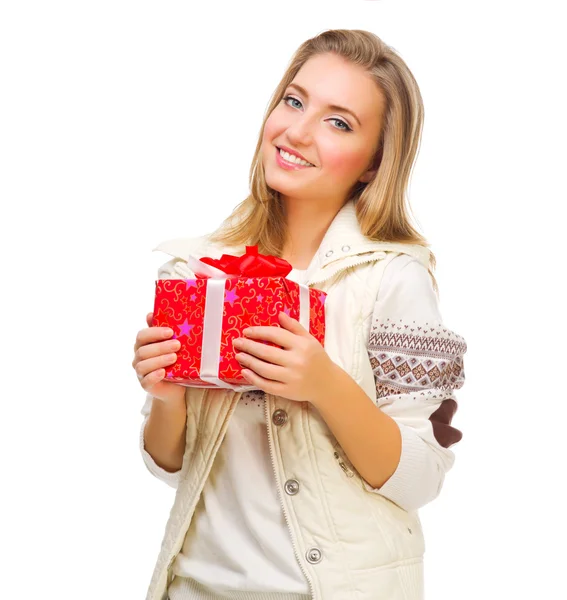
[(279, 487), (343, 466)]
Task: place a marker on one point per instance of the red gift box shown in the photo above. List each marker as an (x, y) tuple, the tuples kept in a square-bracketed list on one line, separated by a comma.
[(228, 295)]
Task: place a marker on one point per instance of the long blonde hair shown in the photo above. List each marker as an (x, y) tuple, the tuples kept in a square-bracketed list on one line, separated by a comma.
[(381, 205)]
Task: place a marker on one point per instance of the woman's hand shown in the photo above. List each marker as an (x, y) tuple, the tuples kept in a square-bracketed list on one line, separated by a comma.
[(153, 353), (301, 371)]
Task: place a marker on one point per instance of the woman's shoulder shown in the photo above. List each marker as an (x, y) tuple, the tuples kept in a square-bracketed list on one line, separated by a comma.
[(407, 271), (197, 246), (407, 299), (406, 287), (184, 250), (182, 247)]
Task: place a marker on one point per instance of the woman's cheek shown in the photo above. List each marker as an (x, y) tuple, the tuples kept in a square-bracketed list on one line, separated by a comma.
[(343, 165), (272, 129)]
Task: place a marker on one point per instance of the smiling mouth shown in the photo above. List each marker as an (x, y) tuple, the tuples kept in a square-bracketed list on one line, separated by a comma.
[(298, 164)]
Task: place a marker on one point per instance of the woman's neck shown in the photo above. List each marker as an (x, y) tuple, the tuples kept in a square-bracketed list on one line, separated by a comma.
[(307, 224)]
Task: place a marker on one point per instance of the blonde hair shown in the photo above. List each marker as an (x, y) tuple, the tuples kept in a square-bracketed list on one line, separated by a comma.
[(380, 204)]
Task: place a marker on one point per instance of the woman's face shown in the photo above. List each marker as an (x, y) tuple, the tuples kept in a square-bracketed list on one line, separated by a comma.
[(340, 143)]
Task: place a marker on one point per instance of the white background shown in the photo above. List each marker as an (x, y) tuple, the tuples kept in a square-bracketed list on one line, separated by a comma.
[(123, 124)]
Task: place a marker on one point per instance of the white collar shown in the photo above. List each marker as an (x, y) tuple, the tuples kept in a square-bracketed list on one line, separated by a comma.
[(343, 239)]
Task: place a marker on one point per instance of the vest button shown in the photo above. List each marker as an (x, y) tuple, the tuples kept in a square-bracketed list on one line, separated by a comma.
[(329, 253), (279, 417), (291, 487), (314, 555), (346, 248)]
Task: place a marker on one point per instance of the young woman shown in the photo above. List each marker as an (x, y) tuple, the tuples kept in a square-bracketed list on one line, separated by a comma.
[(309, 485)]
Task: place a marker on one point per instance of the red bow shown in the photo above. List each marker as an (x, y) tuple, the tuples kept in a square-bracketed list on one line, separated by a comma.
[(250, 264)]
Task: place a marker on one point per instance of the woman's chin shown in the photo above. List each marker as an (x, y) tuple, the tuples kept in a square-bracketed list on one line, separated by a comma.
[(285, 190), (282, 184)]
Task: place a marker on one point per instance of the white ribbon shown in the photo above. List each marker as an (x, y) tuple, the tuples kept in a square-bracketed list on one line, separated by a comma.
[(212, 323)]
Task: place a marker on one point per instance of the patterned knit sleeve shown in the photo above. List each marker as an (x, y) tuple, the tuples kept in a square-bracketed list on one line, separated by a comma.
[(173, 269), (418, 364)]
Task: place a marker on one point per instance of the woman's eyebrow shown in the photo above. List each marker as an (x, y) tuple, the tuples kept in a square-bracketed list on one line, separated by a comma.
[(332, 106)]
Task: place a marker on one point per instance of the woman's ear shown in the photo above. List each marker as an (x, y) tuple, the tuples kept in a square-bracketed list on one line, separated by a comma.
[(368, 176), (373, 167)]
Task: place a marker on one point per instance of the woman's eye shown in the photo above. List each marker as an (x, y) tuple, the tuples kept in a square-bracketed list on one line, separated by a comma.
[(345, 128), (286, 98)]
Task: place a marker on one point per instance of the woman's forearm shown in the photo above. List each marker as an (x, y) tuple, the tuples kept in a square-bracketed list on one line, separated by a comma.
[(370, 438), (165, 432)]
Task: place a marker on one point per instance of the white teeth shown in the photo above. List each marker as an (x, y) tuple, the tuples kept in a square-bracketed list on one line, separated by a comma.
[(293, 159)]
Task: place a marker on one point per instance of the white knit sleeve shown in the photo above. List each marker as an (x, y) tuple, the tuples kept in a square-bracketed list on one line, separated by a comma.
[(174, 268), (417, 363)]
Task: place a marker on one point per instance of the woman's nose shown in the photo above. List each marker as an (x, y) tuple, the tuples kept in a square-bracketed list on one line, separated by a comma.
[(301, 132)]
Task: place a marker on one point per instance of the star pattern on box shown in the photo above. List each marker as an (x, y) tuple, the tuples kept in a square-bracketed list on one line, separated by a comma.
[(180, 304)]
